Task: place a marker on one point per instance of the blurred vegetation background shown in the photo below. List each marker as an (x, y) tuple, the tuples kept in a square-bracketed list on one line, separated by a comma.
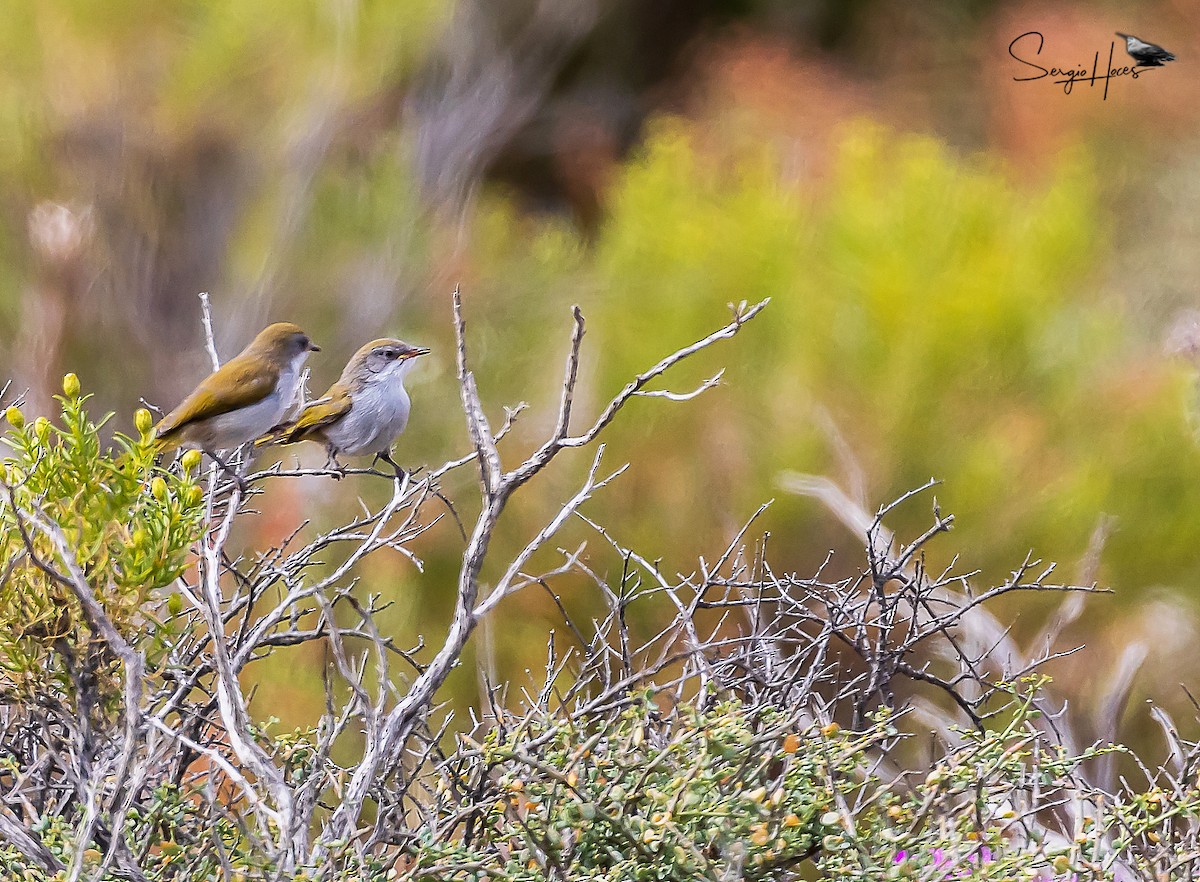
[(972, 278)]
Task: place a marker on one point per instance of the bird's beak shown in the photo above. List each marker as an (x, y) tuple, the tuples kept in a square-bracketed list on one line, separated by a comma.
[(313, 347), (415, 351)]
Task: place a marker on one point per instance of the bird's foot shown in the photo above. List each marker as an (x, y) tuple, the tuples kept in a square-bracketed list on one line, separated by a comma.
[(335, 469)]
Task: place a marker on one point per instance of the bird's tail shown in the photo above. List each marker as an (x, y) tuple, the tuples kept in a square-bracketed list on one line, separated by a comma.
[(284, 433), (165, 445)]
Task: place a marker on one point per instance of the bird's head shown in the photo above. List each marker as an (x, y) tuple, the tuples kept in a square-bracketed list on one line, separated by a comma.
[(381, 361), (282, 343)]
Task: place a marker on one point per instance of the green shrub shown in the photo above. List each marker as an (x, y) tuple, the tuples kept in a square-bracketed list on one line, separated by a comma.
[(130, 525), (743, 792)]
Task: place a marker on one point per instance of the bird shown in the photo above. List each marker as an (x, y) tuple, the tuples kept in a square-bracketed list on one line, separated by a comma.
[(1145, 54), (243, 398), (364, 411)]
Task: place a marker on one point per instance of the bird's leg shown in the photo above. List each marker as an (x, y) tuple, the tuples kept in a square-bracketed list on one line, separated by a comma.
[(386, 456), (332, 465), (233, 473)]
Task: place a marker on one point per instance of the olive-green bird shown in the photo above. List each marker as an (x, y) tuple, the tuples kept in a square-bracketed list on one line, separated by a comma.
[(248, 395), (364, 411)]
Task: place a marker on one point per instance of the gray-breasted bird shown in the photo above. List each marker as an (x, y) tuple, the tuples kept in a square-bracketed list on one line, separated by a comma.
[(364, 411), (1145, 54), (248, 395)]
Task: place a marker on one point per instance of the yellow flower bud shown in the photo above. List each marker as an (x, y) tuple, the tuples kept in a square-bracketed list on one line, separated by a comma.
[(71, 386), (175, 604), (158, 488), (193, 496), (41, 428), (15, 418), (144, 421), (191, 460)]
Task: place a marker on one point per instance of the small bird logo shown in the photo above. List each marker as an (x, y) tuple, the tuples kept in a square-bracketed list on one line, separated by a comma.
[(1145, 54)]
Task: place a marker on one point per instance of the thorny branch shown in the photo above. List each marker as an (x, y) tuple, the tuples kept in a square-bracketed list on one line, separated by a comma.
[(496, 487)]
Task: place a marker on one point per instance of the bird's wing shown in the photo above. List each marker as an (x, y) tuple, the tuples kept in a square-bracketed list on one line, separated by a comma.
[(240, 382), (1141, 48), (325, 411)]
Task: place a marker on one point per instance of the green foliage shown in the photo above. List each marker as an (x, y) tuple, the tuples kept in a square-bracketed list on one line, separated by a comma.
[(694, 795), (756, 789), (967, 817), (178, 838), (932, 314), (207, 65), (130, 525), (921, 302), (173, 814), (613, 803)]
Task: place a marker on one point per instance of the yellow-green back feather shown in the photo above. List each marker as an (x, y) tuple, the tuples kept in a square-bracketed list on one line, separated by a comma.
[(242, 381)]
